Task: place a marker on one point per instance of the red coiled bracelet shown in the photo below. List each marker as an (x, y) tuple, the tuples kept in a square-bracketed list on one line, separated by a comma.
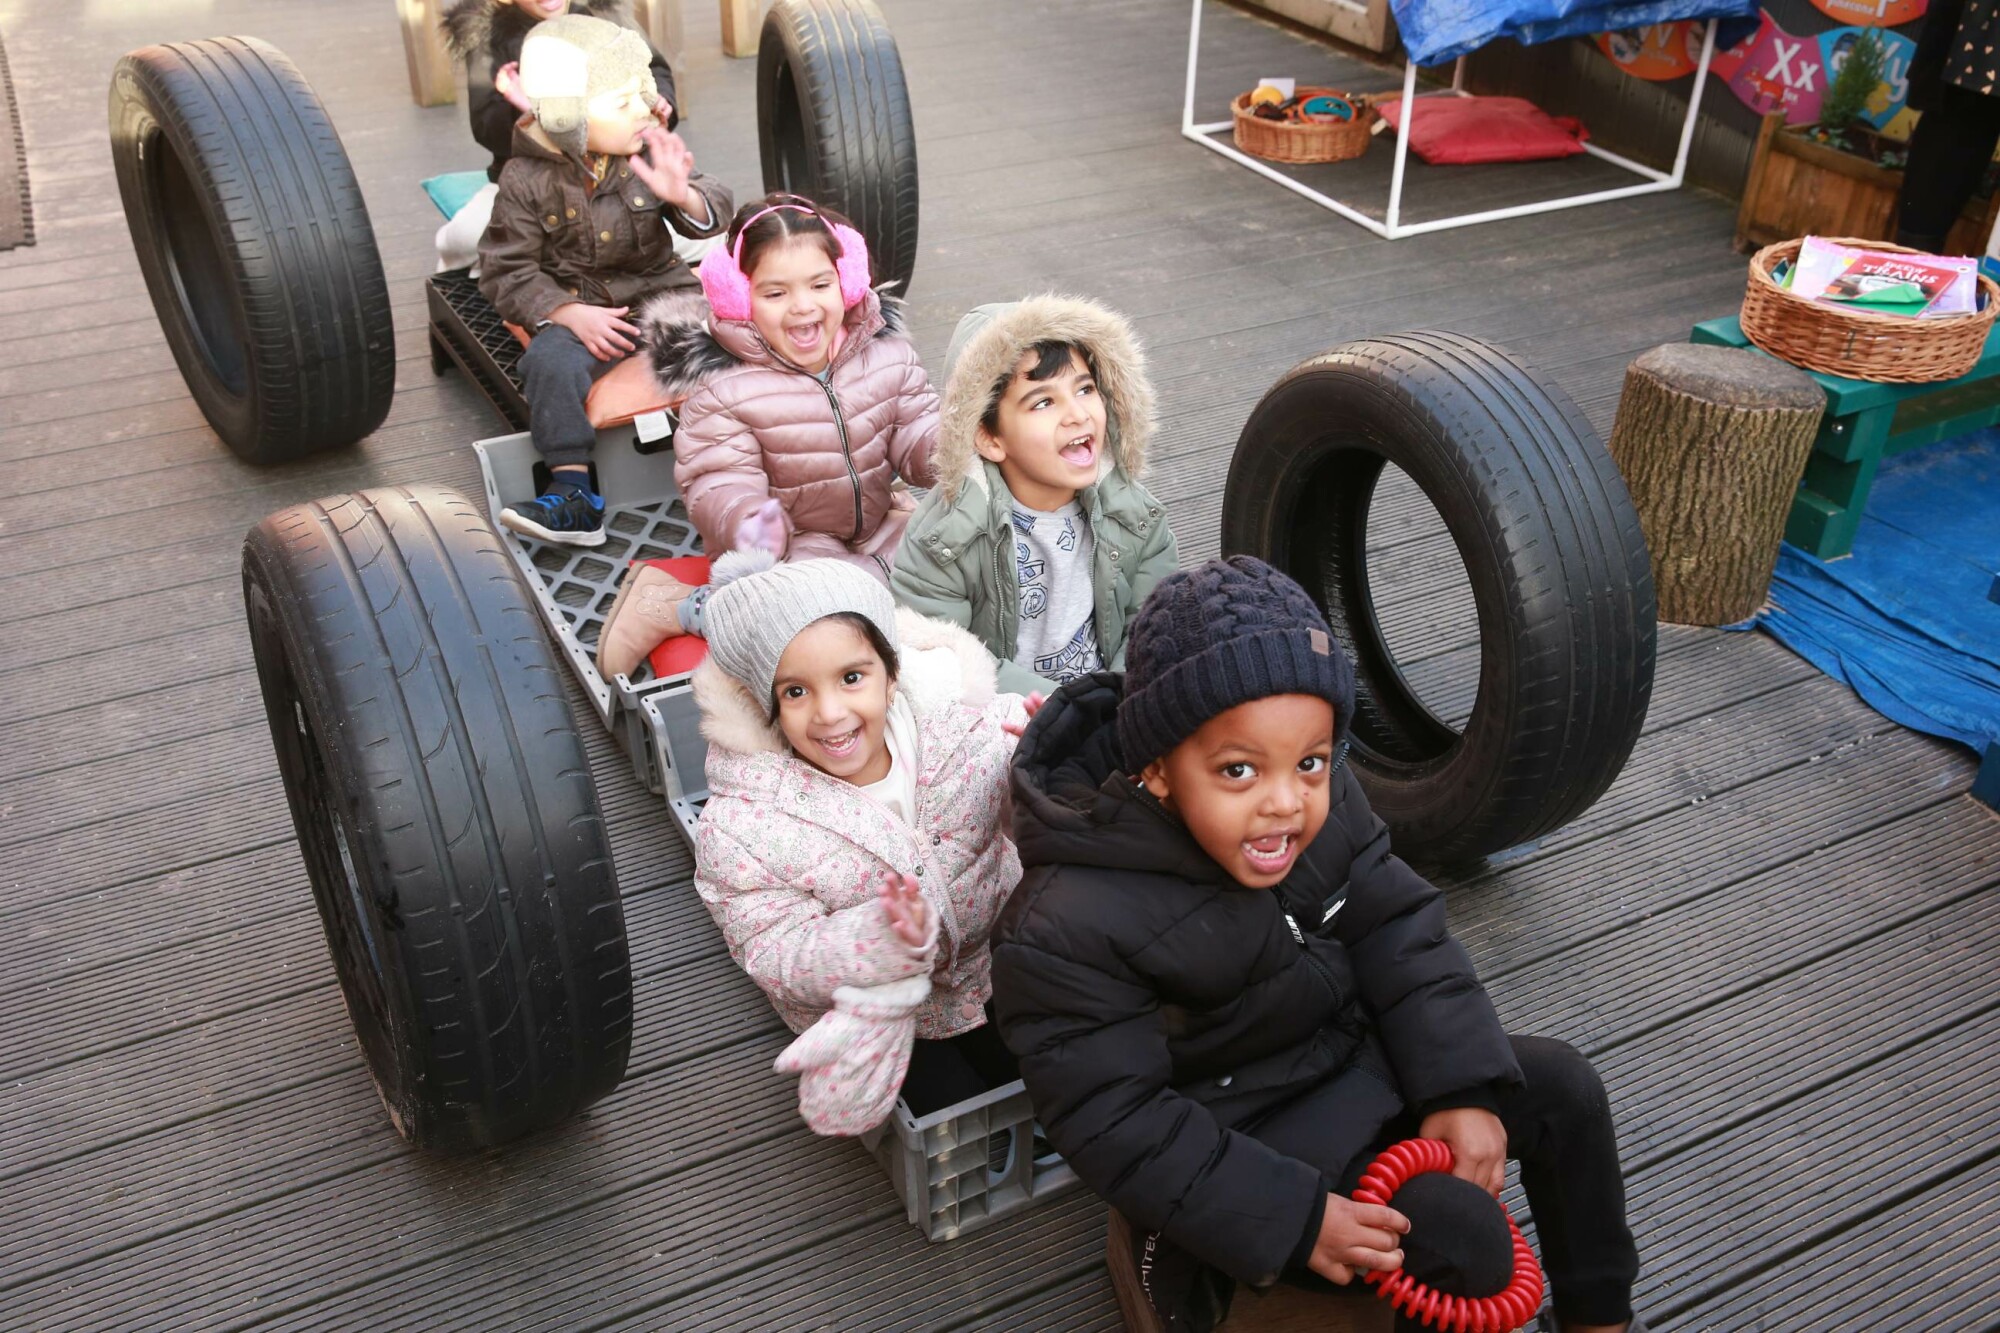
[(1502, 1312)]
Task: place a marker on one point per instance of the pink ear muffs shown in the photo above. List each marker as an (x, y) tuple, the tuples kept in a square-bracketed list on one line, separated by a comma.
[(727, 287)]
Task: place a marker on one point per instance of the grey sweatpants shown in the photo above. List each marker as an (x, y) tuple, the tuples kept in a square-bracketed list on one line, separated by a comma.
[(557, 371)]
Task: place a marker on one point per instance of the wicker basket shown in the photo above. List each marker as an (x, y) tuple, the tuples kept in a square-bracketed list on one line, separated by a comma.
[(1305, 141), (1858, 344)]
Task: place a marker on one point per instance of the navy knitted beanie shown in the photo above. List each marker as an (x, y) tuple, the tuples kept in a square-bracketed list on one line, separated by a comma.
[(1211, 638)]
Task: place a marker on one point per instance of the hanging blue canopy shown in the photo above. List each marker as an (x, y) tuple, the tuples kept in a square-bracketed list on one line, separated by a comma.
[(1435, 31)]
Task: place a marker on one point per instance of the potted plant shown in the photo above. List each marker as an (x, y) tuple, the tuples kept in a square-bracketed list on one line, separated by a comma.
[(1837, 176)]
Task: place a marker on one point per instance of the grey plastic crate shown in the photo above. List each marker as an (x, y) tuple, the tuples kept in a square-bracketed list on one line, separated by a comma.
[(575, 587), (966, 1165), (956, 1169)]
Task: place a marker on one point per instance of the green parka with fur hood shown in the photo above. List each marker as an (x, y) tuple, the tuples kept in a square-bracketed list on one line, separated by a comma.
[(956, 561)]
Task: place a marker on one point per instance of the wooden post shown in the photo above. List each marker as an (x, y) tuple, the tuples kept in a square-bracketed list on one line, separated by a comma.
[(741, 20), (664, 27), (433, 81), (1712, 442)]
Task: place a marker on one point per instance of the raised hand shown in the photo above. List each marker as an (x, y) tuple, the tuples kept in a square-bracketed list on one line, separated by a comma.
[(507, 82), (903, 903), (664, 164), (1031, 706), (763, 529)]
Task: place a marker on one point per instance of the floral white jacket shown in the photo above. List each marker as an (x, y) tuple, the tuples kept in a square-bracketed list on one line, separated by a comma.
[(791, 861)]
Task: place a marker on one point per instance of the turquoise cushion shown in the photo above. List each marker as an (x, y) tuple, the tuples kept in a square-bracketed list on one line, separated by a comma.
[(450, 191)]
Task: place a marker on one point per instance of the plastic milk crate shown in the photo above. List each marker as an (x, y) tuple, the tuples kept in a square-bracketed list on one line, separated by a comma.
[(959, 1167)]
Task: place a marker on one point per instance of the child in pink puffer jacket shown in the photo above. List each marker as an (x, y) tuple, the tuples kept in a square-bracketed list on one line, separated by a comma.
[(854, 847), (806, 404)]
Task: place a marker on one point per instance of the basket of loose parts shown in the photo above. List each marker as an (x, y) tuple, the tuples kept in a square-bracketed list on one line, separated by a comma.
[(1310, 137), (1855, 343)]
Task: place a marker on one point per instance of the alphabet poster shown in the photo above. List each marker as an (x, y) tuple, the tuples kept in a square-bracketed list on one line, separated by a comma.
[(1658, 51), (1873, 13), (1885, 104), (1772, 70)]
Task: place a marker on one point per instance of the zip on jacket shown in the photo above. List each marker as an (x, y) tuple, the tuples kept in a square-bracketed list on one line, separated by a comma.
[(846, 451)]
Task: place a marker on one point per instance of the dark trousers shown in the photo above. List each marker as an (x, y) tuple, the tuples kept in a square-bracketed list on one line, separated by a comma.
[(1559, 1128), (557, 371), (944, 1073), (1949, 151)]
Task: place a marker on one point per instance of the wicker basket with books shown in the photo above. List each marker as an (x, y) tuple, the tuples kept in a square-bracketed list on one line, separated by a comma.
[(1798, 316), (1305, 134)]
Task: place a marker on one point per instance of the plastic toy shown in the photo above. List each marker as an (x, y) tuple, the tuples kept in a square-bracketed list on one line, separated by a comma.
[(1514, 1306)]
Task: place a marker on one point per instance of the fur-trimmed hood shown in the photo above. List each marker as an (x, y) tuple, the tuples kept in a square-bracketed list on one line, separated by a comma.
[(687, 345), (474, 26), (942, 665), (991, 339)]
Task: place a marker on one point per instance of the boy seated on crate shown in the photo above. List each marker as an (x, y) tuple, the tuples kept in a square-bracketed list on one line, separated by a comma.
[(576, 242), (487, 35), (1227, 995), (1038, 536)]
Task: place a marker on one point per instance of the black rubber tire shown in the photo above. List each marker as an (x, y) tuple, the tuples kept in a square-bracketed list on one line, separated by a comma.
[(833, 123), (255, 244), (445, 811), (1551, 545)]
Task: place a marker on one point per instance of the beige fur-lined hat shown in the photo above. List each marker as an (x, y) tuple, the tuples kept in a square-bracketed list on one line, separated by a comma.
[(571, 58)]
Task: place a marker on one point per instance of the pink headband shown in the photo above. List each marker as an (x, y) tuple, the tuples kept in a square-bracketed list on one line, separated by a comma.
[(728, 287)]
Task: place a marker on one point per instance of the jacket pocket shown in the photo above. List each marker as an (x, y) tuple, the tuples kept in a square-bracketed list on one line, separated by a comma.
[(560, 217)]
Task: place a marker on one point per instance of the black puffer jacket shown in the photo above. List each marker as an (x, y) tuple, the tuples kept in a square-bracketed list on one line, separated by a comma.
[(1160, 1010), (486, 35)]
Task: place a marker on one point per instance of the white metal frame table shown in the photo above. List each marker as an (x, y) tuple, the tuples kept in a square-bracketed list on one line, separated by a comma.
[(1392, 227)]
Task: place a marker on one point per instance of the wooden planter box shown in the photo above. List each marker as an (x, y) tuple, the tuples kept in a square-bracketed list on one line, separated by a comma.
[(1364, 22), (1798, 187)]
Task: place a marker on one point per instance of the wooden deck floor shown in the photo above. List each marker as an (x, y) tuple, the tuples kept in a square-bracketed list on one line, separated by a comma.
[(1775, 934)]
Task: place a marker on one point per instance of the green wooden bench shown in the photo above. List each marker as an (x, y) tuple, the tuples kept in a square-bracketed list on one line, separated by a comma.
[(1865, 423)]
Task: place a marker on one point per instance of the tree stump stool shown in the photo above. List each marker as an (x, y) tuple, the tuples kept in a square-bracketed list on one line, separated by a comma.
[(1712, 442)]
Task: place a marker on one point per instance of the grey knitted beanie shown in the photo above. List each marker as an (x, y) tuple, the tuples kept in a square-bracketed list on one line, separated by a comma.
[(758, 608), (571, 58), (1223, 634)]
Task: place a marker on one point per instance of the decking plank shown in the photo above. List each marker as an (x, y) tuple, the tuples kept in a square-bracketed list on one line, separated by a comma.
[(190, 1137)]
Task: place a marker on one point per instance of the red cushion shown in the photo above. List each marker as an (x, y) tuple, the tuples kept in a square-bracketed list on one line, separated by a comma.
[(1449, 129), (682, 653)]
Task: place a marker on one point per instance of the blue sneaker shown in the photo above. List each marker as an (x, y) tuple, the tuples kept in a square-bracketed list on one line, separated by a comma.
[(566, 513)]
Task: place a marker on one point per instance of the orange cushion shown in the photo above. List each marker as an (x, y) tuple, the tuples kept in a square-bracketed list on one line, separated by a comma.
[(682, 653), (625, 391)]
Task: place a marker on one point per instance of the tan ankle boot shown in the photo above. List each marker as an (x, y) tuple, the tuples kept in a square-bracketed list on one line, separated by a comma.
[(645, 614)]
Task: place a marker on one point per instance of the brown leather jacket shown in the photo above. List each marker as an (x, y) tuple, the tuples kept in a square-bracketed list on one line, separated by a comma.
[(557, 236)]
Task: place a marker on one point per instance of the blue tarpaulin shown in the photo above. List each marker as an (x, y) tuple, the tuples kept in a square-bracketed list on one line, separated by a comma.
[(1435, 31), (1907, 619)]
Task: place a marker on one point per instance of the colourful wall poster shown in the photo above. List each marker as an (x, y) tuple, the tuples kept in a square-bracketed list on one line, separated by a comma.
[(1873, 13), (1897, 52), (1772, 70), (1657, 51)]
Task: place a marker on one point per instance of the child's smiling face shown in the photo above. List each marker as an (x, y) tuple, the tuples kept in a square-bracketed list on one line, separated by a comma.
[(540, 9), (616, 120), (1252, 784), (833, 693), (1048, 433), (795, 301)]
